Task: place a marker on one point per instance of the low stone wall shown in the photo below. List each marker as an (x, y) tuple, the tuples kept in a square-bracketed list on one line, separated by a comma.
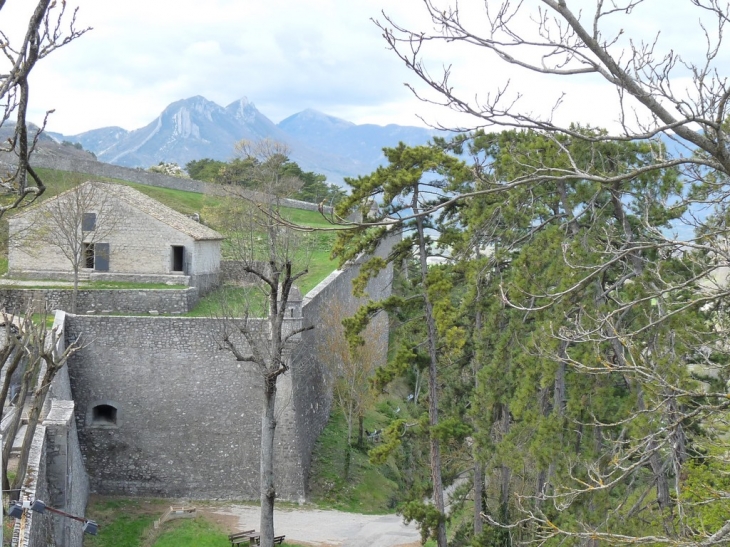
[(46, 275), (164, 301), (232, 271)]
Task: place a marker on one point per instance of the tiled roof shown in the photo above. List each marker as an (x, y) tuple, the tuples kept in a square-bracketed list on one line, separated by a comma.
[(161, 212), (152, 207)]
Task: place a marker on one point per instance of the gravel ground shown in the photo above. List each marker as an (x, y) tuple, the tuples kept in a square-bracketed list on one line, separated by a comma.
[(320, 528)]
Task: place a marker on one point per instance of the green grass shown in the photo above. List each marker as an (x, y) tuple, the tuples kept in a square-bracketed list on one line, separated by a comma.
[(197, 532), (128, 522), (230, 301), (48, 318), (122, 522), (367, 488)]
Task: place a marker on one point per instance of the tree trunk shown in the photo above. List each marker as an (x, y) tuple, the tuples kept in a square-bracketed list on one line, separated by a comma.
[(478, 493), (433, 418), (34, 415), (360, 430), (28, 376), (75, 291), (506, 472), (349, 426), (268, 492), (11, 368)]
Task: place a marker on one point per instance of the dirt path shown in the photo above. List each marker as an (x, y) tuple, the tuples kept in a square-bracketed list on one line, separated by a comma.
[(320, 528)]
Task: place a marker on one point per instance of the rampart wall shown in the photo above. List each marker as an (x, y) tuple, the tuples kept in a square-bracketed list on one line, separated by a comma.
[(187, 413), (56, 474), (164, 301), (313, 397)]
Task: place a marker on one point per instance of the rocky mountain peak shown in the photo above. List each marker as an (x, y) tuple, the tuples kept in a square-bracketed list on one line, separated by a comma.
[(243, 110)]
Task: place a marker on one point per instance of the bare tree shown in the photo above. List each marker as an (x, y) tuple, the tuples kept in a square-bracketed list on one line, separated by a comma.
[(274, 257), (35, 348), (554, 39), (73, 223), (49, 27), (351, 370)]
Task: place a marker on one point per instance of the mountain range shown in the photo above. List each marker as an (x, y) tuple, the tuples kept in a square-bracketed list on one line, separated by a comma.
[(197, 128)]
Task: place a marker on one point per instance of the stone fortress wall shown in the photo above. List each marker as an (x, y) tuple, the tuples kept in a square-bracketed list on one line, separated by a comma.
[(56, 472), (157, 301), (186, 415)]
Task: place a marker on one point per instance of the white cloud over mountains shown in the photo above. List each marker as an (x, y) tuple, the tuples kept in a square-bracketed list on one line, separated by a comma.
[(286, 56)]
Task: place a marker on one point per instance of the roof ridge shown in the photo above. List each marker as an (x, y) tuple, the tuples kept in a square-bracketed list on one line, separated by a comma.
[(144, 203)]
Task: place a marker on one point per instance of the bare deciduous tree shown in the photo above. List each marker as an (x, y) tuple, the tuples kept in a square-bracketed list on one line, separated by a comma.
[(274, 258), (351, 370), (49, 28), (35, 347)]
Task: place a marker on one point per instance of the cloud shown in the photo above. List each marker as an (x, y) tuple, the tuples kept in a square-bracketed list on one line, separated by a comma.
[(288, 55)]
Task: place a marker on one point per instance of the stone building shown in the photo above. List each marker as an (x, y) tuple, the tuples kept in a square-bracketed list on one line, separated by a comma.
[(117, 233)]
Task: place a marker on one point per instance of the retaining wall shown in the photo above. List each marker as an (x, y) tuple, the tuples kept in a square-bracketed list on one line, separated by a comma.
[(56, 473), (166, 301), (313, 396), (188, 415)]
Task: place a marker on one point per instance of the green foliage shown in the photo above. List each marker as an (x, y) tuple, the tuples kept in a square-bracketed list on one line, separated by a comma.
[(76, 145), (425, 515), (205, 169), (567, 337), (370, 488), (241, 172)]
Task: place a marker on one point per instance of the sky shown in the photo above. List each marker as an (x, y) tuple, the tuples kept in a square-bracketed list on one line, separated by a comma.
[(286, 56)]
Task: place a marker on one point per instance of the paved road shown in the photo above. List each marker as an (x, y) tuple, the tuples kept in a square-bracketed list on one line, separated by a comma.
[(329, 528)]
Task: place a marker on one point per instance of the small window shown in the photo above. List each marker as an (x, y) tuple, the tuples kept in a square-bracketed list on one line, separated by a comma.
[(88, 255), (88, 222), (178, 258), (104, 415)]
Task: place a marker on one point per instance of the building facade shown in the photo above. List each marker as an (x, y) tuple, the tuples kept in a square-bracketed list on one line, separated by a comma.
[(112, 232)]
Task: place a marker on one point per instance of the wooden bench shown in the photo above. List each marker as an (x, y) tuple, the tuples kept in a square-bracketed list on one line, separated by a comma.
[(250, 537), (256, 540), (240, 538)]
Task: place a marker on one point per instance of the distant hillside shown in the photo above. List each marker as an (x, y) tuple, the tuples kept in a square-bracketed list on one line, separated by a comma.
[(197, 128)]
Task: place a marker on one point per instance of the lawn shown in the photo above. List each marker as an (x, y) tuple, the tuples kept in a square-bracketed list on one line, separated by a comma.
[(128, 522)]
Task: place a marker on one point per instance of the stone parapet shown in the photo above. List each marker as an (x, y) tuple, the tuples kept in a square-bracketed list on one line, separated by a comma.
[(162, 301)]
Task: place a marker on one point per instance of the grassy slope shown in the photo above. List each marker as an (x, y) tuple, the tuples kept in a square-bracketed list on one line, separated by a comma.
[(369, 488), (320, 265)]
